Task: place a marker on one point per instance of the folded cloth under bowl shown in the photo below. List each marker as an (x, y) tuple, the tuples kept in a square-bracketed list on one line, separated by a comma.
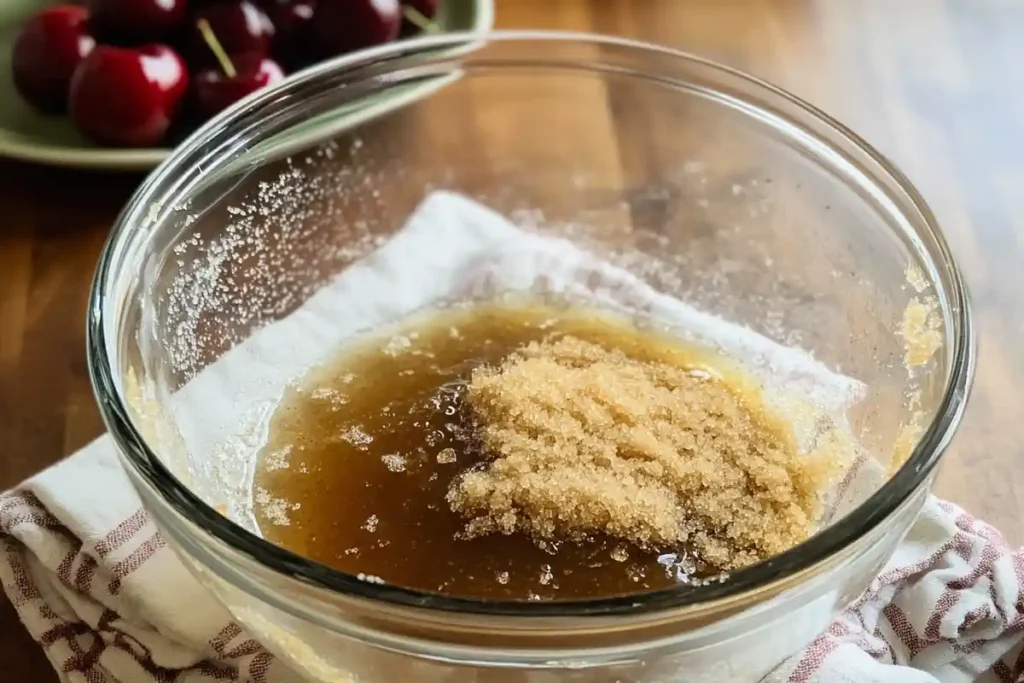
[(98, 588)]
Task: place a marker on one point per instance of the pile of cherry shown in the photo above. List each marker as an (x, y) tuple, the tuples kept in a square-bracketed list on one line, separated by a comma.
[(132, 73)]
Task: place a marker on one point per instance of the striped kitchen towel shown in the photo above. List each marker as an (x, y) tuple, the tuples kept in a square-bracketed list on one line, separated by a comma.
[(97, 587)]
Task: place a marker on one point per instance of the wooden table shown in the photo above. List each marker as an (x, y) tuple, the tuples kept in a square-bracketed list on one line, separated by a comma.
[(930, 82)]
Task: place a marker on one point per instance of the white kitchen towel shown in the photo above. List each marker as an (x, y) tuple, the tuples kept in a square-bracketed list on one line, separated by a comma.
[(947, 608), (100, 591), (97, 587)]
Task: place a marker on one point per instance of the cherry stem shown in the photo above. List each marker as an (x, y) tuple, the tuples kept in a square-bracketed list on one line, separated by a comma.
[(418, 19), (216, 48)]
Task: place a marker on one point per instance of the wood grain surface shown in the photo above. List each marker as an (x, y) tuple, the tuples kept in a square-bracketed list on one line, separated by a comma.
[(935, 84)]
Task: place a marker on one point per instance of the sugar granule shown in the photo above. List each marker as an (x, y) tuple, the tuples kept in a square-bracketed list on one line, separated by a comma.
[(586, 440)]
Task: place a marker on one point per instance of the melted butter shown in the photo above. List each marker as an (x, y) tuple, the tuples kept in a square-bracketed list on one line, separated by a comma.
[(361, 454)]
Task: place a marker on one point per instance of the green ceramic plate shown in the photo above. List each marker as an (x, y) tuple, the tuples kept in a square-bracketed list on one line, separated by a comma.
[(30, 136)]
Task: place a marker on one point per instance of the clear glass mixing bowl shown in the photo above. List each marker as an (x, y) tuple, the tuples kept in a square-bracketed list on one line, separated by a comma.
[(706, 184)]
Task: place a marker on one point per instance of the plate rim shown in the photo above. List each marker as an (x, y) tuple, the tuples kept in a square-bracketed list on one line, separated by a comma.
[(143, 159)]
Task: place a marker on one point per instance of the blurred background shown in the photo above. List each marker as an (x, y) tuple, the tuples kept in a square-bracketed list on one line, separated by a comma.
[(936, 85)]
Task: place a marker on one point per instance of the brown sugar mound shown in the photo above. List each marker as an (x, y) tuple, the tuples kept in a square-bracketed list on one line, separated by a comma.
[(583, 440)]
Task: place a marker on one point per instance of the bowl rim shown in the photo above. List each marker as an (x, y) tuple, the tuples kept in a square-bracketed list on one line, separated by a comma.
[(819, 548)]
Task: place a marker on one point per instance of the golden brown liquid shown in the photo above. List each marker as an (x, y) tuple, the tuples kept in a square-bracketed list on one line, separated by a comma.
[(360, 457)]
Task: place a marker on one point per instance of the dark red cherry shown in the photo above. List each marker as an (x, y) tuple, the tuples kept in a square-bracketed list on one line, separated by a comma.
[(51, 44), (214, 90), (241, 27), (127, 97), (341, 26), (291, 20), (134, 22)]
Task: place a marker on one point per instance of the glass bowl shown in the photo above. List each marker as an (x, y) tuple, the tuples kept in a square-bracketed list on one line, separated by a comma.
[(701, 183)]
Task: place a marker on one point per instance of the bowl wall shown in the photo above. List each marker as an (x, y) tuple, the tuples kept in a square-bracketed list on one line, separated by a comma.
[(706, 185)]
